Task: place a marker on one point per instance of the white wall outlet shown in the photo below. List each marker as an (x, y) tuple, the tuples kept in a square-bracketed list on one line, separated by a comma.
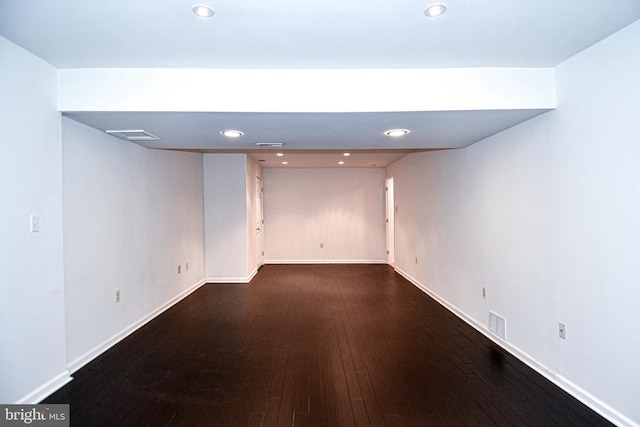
[(118, 295), (562, 330)]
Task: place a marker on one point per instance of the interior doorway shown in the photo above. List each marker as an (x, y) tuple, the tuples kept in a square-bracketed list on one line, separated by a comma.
[(259, 224), (390, 220)]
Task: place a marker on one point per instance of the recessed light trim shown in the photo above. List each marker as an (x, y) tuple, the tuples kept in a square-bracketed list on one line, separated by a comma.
[(346, 154), (203, 11), (435, 10), (394, 133), (232, 133), (280, 154), (341, 162), (285, 163)]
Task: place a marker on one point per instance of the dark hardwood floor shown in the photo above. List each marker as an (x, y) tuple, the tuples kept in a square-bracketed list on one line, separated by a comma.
[(314, 345)]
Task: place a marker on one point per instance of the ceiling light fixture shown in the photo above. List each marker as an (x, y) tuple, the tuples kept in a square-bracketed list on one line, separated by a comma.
[(436, 9), (285, 163), (232, 133), (346, 154), (203, 11), (341, 163), (397, 132), (280, 154)]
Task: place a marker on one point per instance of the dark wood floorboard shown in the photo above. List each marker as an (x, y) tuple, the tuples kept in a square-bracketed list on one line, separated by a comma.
[(314, 345)]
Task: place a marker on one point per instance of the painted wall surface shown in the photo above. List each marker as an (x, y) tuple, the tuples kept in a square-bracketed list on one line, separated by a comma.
[(32, 349), (131, 217), (343, 209), (546, 215), (225, 211), (306, 90)]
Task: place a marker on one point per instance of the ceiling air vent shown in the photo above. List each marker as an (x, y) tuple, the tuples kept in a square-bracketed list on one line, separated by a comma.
[(133, 135), (270, 144)]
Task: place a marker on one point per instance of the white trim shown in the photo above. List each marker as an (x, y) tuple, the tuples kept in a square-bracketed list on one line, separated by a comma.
[(573, 389), (87, 357), (45, 390), (325, 261), (232, 279)]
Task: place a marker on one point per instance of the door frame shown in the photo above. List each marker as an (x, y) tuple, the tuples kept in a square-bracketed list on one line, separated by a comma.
[(390, 220), (259, 222)]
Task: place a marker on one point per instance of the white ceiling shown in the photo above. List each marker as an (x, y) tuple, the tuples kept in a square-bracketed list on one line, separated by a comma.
[(328, 34), (310, 34)]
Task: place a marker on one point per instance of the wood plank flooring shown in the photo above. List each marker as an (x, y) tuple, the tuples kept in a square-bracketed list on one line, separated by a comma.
[(314, 345)]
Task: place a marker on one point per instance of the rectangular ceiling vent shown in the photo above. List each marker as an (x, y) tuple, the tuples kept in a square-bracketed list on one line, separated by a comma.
[(133, 135), (270, 144), (498, 325)]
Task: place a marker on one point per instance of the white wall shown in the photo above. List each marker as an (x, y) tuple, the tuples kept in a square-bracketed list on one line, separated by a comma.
[(306, 90), (32, 349), (225, 201), (341, 208), (546, 215), (131, 217)]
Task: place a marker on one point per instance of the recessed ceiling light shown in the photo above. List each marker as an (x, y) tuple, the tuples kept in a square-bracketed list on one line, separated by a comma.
[(435, 9), (397, 132), (346, 154), (280, 154), (232, 133), (285, 163), (203, 11), (341, 163)]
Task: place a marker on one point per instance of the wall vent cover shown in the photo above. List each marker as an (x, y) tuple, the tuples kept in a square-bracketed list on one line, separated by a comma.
[(133, 135), (270, 144), (498, 325)]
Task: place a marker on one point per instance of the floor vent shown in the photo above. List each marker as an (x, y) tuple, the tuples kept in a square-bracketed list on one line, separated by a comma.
[(498, 325)]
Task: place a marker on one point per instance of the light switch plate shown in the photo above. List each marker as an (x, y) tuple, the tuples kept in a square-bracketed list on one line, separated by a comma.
[(34, 223)]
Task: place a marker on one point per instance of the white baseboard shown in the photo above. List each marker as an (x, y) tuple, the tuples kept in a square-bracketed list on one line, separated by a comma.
[(87, 357), (232, 279), (45, 390), (326, 261), (574, 390)]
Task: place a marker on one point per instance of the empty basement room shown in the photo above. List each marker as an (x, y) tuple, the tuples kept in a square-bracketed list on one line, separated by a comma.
[(399, 214)]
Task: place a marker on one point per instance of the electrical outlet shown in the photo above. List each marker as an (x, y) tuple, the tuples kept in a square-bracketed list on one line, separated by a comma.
[(118, 295), (416, 260), (186, 265), (179, 268), (484, 292), (562, 330), (321, 245)]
